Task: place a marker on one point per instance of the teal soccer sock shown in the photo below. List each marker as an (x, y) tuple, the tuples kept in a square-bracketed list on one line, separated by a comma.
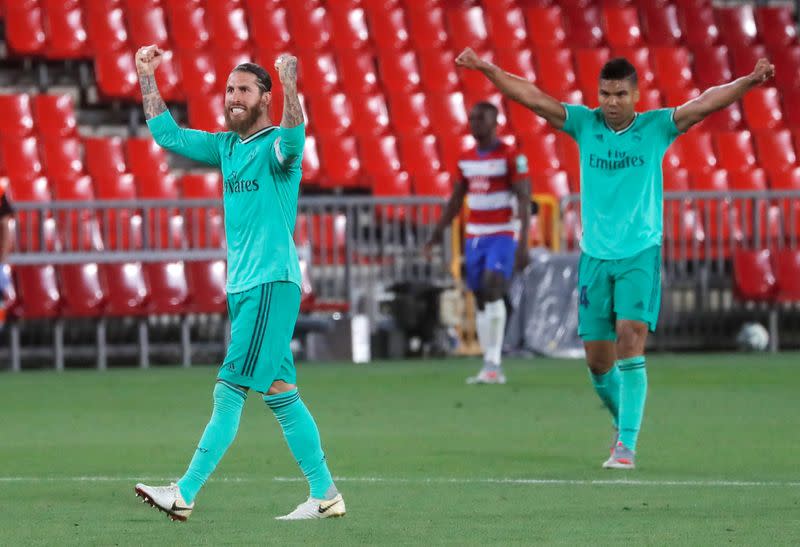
[(218, 436), (302, 436), (607, 386), (632, 397)]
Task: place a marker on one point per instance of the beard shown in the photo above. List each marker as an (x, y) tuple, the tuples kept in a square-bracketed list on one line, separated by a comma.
[(243, 125)]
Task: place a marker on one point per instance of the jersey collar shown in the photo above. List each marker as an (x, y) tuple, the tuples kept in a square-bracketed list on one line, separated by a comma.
[(258, 133), (624, 129)]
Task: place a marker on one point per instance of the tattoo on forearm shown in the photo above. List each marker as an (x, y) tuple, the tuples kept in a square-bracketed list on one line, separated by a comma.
[(292, 111), (152, 102)]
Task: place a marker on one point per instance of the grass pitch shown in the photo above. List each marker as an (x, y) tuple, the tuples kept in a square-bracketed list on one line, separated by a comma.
[(421, 457)]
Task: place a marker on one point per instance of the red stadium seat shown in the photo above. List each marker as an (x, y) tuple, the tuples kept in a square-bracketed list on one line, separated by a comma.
[(420, 155), (438, 70), (78, 228), (545, 26), (476, 86), (122, 228), (448, 114), (790, 208), (166, 227), (269, 25), (317, 72), (640, 59), (506, 25), (440, 185), (735, 150), (389, 28), (370, 116), (339, 157), (207, 113), (21, 158), (104, 155), (791, 109), (169, 291), (744, 57), (359, 74), (106, 25), (588, 63), (188, 30), (622, 26), (676, 179), (762, 108), (399, 72), (786, 267), (55, 115), (66, 35), (409, 113), (349, 26), (737, 24), (775, 150), (660, 24), (204, 225), (392, 184), (226, 60), (518, 62), (753, 278), (127, 291), (379, 156), (33, 232), (310, 160), (582, 24), (540, 149), (699, 26), (116, 74), (426, 27), (787, 67), (199, 73), (147, 23), (332, 115), (754, 180), (451, 150), (206, 282), (711, 66), (16, 116), (524, 121), (311, 30), (649, 99), (62, 157), (672, 67), (466, 27), (38, 294), (568, 154), (555, 70), (776, 26), (168, 78), (696, 152), (24, 31), (82, 293), (326, 233), (145, 157), (228, 24)]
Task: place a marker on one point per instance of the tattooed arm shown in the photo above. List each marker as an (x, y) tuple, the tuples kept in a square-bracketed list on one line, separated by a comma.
[(289, 146), (147, 60)]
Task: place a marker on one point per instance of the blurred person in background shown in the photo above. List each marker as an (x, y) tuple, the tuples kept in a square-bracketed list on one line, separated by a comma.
[(492, 175), (6, 213)]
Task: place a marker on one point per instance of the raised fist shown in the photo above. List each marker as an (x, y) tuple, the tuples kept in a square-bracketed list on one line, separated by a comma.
[(763, 71), (468, 59), (286, 66), (147, 59)]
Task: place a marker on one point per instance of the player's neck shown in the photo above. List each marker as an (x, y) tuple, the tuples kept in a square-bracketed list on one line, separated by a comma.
[(487, 144), (260, 124), (621, 125)]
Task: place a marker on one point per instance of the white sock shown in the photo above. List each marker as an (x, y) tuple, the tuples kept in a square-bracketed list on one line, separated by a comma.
[(483, 326), (495, 312)]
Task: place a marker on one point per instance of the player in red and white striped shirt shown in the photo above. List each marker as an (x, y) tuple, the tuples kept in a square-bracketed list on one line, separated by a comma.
[(493, 177)]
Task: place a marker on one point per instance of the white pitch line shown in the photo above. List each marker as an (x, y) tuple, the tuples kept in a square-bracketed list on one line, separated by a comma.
[(437, 480)]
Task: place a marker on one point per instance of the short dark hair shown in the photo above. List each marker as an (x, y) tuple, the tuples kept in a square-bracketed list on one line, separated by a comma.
[(486, 105), (263, 80), (619, 69)]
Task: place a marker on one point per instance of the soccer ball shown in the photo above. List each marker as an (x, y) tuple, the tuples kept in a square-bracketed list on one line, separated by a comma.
[(753, 337)]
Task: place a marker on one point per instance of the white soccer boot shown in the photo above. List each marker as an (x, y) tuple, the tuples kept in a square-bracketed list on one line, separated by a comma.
[(167, 499), (317, 509), (489, 374)]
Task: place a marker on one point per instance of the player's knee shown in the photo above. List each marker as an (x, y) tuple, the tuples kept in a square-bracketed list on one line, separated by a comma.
[(494, 287), (600, 356), (279, 386), (631, 337)]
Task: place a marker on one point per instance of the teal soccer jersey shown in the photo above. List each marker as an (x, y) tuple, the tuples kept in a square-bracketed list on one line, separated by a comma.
[(621, 180), (261, 187)]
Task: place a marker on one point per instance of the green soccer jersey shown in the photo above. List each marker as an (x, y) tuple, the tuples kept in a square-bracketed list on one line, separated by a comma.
[(622, 198), (261, 179)]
